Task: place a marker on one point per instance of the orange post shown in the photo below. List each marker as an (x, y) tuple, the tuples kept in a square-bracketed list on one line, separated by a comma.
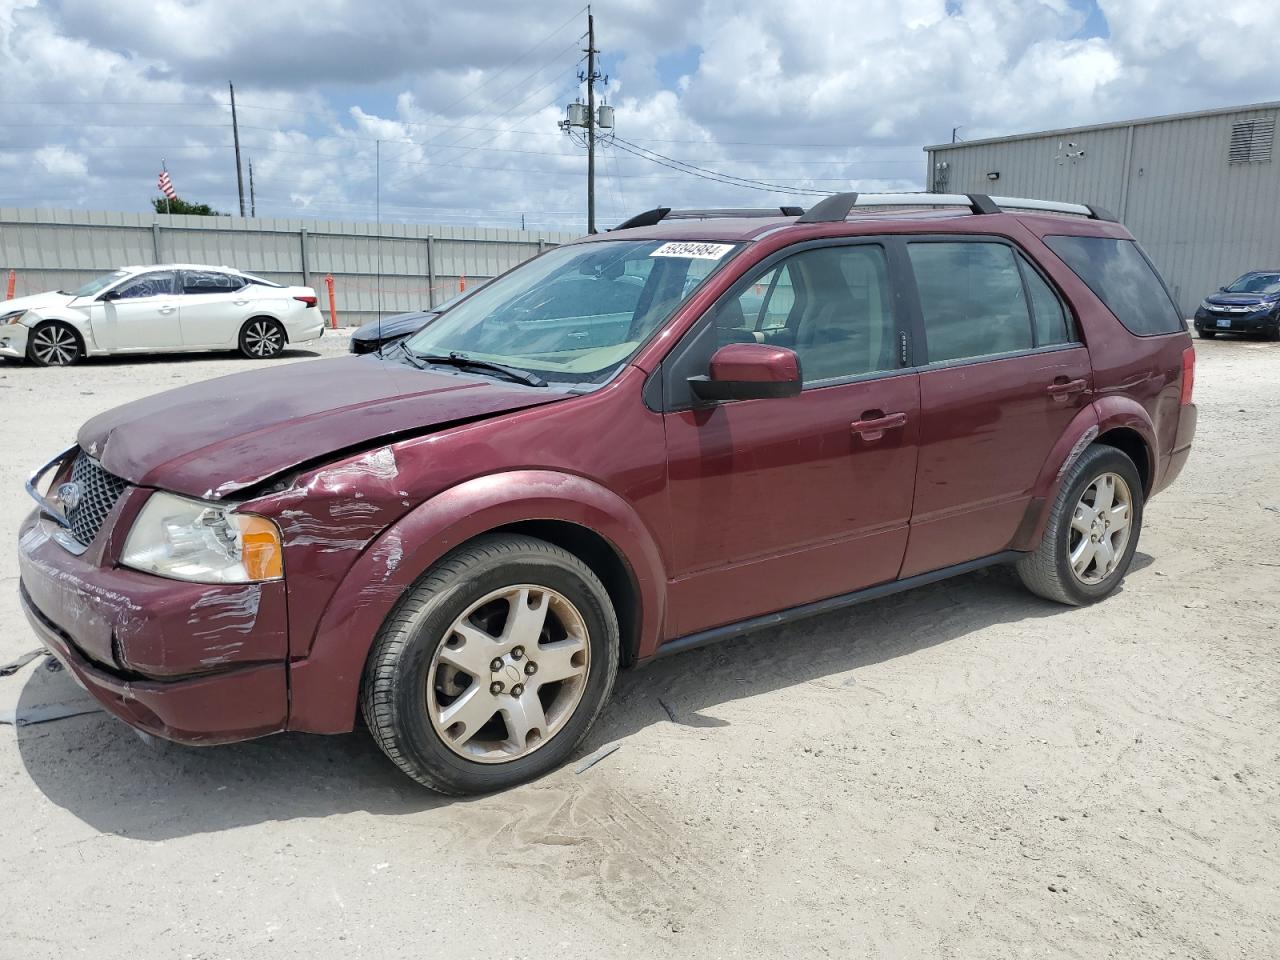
[(11, 285), (333, 310), (462, 284)]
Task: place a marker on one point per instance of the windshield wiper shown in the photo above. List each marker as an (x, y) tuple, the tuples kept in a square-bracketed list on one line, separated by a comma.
[(457, 359)]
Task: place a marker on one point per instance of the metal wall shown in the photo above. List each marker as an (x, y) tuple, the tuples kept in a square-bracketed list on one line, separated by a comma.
[(1203, 221), (393, 268)]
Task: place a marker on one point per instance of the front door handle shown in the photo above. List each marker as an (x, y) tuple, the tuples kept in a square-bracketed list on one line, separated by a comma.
[(874, 423), (166, 310), (1062, 388)]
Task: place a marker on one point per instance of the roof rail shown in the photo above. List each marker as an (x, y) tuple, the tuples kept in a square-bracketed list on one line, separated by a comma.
[(658, 214), (838, 206)]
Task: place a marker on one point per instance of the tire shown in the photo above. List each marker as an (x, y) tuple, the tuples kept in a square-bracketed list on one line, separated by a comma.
[(262, 338), (412, 693), (1048, 570), (54, 344), (1207, 334)]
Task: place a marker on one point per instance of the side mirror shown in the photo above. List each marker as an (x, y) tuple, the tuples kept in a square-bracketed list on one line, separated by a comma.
[(111, 295), (749, 371)]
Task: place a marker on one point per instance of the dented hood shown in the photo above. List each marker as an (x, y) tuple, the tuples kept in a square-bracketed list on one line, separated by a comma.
[(214, 438)]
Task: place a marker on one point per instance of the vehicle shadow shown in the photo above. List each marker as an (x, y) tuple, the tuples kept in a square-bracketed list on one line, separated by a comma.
[(103, 773), (141, 359)]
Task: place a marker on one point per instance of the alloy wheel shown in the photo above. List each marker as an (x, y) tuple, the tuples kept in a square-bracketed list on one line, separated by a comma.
[(263, 339), (509, 674), (1100, 526), (54, 346)]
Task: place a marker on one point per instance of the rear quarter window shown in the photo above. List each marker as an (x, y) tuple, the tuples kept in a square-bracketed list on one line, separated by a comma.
[(1121, 277)]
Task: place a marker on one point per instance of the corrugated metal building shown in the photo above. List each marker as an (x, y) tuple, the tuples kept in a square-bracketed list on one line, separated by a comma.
[(1200, 191)]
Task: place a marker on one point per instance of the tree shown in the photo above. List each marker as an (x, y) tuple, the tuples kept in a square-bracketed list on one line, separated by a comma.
[(185, 206)]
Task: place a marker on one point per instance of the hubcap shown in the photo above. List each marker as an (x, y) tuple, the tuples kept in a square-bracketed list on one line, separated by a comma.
[(509, 674), (263, 339), (1100, 526), (55, 346)]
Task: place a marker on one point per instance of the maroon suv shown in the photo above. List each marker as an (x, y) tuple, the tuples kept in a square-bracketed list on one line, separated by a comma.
[(695, 425)]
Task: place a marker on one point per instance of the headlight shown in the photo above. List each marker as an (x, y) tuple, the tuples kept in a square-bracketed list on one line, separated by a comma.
[(1206, 305), (13, 316), (204, 542)]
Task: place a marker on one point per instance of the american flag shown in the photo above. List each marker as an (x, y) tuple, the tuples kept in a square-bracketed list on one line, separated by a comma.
[(166, 185)]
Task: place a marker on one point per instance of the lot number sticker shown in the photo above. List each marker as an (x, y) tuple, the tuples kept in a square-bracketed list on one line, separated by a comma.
[(693, 251)]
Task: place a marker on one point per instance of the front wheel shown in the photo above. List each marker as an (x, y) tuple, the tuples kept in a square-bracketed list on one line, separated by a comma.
[(1092, 531), (53, 344), (262, 338), (493, 667)]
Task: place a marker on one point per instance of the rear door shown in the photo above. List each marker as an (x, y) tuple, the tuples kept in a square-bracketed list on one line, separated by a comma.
[(778, 502), (1003, 373), (141, 313), (214, 306)]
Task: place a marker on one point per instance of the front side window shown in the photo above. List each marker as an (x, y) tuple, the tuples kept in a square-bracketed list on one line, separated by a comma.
[(831, 305), (972, 299), (576, 313), (1121, 277), (197, 282), (157, 284)]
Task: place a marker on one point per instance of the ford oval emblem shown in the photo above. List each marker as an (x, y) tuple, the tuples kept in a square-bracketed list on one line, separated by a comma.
[(69, 494)]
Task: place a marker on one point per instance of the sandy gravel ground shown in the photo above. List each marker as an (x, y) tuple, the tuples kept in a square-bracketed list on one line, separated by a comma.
[(962, 772)]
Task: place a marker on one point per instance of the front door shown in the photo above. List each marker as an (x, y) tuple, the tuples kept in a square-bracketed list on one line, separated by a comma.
[(779, 502), (141, 313), (1005, 375)]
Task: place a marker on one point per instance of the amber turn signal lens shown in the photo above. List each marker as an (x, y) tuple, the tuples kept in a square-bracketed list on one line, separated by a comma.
[(260, 548)]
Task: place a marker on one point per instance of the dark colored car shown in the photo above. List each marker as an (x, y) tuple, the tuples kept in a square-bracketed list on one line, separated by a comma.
[(730, 423), (1249, 304), (379, 333)]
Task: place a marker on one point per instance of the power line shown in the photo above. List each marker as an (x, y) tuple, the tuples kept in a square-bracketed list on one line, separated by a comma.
[(707, 174)]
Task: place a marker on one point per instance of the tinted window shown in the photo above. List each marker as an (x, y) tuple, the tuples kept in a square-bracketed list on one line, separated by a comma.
[(207, 281), (972, 299), (159, 284), (832, 306), (1052, 325), (1120, 276)]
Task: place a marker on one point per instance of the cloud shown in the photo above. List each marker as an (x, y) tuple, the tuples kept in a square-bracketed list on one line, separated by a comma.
[(808, 96)]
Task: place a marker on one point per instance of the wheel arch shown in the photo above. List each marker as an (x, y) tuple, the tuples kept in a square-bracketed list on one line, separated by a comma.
[(260, 315), (1112, 421), (78, 322), (574, 512)]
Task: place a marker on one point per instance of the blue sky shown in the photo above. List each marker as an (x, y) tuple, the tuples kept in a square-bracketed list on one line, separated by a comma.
[(716, 105)]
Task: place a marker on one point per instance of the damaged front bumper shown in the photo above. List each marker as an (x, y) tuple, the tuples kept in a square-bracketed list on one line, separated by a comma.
[(13, 340), (195, 663)]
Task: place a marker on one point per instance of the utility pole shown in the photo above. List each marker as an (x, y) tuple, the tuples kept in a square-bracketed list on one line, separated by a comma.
[(253, 200), (591, 124), (235, 133)]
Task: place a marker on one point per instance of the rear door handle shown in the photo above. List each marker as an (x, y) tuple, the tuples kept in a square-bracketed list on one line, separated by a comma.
[(240, 303), (873, 427), (1060, 389)]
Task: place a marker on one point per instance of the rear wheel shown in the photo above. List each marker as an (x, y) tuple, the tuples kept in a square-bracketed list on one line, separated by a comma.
[(54, 344), (262, 338), (1207, 334), (1092, 531), (493, 667)]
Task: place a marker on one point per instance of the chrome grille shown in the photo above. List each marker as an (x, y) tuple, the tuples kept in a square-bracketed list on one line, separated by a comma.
[(99, 492)]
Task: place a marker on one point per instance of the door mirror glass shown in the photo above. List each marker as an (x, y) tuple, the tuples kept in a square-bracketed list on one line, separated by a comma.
[(749, 371)]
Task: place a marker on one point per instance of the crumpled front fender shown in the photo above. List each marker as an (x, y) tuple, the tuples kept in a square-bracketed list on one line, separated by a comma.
[(325, 684)]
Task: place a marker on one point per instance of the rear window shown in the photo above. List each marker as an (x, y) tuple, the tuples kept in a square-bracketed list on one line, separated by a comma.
[(1120, 275)]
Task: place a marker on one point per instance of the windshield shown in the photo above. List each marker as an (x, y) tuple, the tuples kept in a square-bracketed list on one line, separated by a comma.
[(577, 313), (98, 283), (1256, 283)]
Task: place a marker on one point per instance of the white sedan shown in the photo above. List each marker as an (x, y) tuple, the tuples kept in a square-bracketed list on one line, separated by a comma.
[(159, 309)]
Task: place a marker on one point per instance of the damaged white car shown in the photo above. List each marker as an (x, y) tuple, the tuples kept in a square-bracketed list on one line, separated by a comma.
[(160, 309)]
